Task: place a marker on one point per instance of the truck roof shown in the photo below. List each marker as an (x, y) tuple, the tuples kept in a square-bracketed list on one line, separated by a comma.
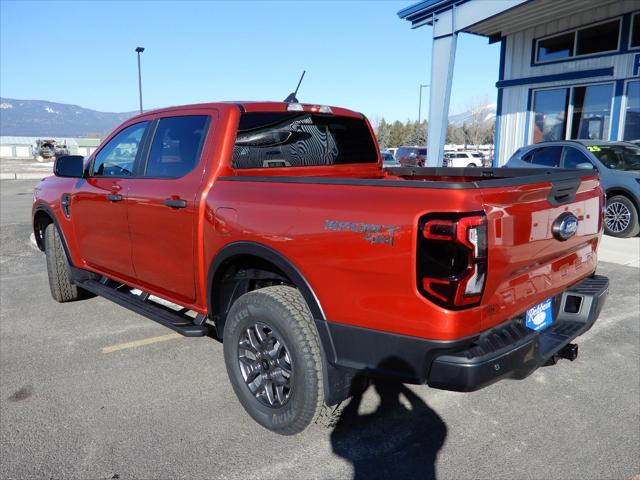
[(253, 106)]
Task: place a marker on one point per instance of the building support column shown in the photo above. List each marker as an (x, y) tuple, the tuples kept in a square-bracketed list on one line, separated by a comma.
[(443, 55)]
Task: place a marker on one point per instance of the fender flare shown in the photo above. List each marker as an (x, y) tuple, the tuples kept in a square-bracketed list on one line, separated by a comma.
[(269, 254), (46, 209)]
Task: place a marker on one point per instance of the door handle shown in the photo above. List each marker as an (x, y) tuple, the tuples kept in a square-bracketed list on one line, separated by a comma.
[(175, 203), (114, 197)]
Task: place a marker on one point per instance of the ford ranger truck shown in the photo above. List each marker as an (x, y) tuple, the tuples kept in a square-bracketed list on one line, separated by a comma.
[(273, 228)]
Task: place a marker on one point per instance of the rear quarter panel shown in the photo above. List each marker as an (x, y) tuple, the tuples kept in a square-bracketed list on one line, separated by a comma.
[(357, 281)]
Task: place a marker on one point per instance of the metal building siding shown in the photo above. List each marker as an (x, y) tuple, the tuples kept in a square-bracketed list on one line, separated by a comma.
[(520, 45), (518, 52), (512, 121)]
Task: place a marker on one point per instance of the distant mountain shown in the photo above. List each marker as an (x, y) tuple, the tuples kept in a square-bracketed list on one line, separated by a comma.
[(486, 112), (43, 118)]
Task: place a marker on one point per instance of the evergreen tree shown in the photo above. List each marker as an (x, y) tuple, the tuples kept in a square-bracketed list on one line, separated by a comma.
[(397, 134), (383, 134)]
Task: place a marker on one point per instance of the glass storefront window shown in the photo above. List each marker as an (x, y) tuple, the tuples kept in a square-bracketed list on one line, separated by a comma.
[(549, 114), (632, 112), (591, 112)]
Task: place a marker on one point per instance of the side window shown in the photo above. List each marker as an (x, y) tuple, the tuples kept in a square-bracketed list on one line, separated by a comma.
[(573, 157), (528, 156), (117, 157), (547, 156), (176, 146)]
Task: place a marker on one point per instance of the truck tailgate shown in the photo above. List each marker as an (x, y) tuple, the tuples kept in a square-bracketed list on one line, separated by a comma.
[(526, 263)]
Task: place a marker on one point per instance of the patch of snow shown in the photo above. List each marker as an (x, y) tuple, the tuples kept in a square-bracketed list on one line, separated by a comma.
[(5, 106), (50, 110)]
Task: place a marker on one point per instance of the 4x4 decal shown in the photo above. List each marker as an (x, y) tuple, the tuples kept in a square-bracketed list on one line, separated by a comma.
[(372, 233)]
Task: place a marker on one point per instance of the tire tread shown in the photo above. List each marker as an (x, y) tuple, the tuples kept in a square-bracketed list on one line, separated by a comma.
[(62, 290)]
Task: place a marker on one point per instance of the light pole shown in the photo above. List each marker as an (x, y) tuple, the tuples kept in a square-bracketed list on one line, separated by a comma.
[(139, 50), (420, 102)]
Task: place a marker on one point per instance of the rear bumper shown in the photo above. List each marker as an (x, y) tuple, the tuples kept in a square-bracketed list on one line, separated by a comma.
[(514, 351), (510, 350)]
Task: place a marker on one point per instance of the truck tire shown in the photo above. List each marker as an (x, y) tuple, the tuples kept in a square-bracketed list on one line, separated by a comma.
[(621, 217), (273, 358), (62, 290), (472, 165)]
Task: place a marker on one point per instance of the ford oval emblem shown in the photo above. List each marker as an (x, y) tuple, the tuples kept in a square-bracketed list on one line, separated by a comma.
[(565, 226)]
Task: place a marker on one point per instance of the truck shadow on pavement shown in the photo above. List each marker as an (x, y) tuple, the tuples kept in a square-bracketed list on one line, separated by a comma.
[(392, 442)]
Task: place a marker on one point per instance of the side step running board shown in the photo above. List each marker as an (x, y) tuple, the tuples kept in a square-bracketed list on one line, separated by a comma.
[(138, 303)]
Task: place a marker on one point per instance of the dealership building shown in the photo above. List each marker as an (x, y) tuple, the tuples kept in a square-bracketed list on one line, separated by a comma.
[(569, 69)]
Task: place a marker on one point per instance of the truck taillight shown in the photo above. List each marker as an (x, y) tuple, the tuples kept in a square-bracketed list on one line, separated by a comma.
[(452, 258)]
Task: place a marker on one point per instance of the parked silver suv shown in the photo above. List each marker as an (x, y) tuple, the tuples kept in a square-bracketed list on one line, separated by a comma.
[(618, 164)]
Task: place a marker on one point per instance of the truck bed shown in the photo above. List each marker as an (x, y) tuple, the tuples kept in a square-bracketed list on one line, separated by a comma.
[(317, 222)]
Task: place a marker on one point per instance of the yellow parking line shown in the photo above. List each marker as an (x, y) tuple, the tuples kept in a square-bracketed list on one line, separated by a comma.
[(140, 343)]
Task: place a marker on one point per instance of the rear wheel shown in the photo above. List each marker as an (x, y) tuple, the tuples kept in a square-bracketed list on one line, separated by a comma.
[(62, 290), (621, 217), (272, 354), (472, 165)]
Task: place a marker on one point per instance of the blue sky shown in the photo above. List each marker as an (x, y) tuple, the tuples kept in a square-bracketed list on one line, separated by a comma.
[(357, 54)]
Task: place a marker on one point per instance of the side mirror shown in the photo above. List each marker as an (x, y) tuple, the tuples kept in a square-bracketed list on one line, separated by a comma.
[(585, 166), (69, 166)]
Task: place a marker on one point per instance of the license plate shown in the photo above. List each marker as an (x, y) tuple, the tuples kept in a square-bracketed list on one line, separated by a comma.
[(539, 317)]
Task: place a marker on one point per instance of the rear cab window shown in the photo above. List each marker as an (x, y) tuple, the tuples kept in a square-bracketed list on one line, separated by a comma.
[(301, 139)]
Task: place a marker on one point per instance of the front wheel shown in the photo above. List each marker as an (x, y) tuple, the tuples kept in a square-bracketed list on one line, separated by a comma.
[(472, 165), (621, 218), (273, 358)]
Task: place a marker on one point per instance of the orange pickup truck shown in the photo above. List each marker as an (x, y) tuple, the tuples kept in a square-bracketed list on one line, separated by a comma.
[(274, 228)]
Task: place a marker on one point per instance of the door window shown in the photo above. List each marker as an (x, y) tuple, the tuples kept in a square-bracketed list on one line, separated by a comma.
[(591, 111), (573, 157), (547, 156), (117, 157), (176, 146)]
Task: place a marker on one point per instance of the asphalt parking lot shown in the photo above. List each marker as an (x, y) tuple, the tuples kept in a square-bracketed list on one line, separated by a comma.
[(91, 390)]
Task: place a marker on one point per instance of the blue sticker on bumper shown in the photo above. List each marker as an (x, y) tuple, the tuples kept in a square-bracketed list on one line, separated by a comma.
[(540, 317)]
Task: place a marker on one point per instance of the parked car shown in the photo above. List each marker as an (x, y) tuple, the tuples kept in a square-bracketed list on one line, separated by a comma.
[(412, 156), (388, 160), (391, 150), (273, 228), (618, 164), (463, 159)]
